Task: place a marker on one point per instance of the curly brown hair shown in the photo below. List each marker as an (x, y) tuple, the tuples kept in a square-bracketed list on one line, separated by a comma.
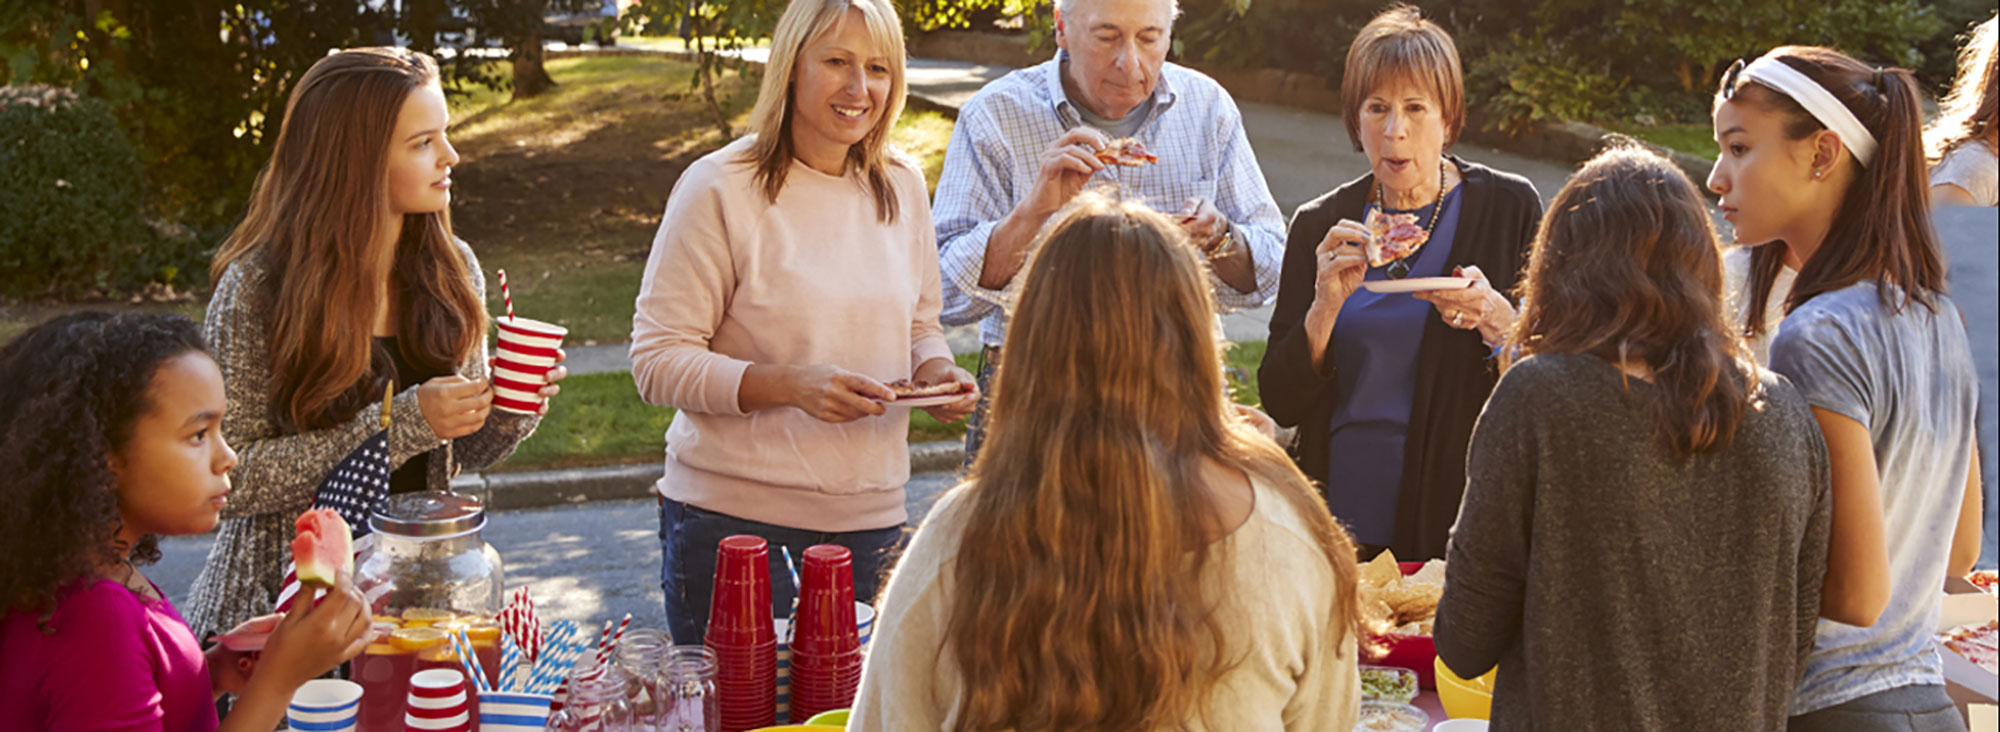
[(70, 390)]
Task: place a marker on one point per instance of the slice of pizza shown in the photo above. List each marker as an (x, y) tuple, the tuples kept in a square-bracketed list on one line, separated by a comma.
[(1126, 151), (1393, 236), (1977, 642), (906, 389)]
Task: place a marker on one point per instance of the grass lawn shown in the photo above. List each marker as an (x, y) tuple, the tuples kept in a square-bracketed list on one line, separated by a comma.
[(599, 420), (1693, 139), (565, 190)]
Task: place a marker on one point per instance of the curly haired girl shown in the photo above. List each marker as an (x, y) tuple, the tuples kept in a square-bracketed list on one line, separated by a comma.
[(110, 437)]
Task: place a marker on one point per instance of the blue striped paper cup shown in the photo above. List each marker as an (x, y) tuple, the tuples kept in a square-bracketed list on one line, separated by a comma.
[(325, 705), (512, 712)]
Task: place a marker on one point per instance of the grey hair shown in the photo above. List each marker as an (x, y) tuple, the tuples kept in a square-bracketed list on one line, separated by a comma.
[(1065, 6)]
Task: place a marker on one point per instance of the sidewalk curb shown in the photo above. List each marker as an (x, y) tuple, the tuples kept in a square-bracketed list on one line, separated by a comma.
[(571, 486)]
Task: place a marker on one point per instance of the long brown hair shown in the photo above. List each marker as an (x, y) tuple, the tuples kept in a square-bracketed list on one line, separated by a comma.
[(1078, 603), (313, 219), (771, 119), (1626, 267), (1882, 230)]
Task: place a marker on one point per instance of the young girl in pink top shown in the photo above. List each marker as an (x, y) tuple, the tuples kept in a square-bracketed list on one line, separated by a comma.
[(109, 438)]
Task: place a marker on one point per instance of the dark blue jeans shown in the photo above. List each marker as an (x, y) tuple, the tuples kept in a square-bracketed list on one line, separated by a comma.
[(688, 539), (975, 426)]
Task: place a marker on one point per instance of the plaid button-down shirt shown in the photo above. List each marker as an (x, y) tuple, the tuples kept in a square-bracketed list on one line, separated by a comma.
[(992, 163)]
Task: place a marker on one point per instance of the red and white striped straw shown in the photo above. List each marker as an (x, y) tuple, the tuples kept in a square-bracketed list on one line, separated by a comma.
[(604, 654), (506, 296)]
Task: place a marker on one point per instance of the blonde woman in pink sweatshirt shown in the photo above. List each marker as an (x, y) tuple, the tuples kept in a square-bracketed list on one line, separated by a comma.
[(794, 274)]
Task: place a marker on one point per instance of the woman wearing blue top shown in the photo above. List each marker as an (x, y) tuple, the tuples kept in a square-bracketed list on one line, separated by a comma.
[(1825, 154), (1385, 399)]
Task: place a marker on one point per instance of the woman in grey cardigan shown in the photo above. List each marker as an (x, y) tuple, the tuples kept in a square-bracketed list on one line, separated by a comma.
[(1646, 511), (344, 277)]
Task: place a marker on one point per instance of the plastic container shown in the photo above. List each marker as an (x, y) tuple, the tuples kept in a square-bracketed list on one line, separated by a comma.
[(1388, 683), (1406, 650), (1377, 716), (1465, 699)]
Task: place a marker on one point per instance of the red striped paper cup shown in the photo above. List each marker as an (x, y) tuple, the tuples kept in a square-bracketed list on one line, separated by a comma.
[(527, 349)]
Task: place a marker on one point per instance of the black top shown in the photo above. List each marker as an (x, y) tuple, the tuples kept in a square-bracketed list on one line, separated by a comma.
[(1620, 585), (410, 477), (1454, 373)]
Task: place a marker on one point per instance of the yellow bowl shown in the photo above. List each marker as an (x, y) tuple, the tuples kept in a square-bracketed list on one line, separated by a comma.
[(1465, 699), (835, 718)]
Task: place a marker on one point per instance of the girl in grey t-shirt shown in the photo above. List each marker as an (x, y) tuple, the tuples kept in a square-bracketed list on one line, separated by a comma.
[(1825, 154)]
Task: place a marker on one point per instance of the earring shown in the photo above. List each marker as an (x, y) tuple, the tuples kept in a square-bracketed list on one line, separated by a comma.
[(1818, 173)]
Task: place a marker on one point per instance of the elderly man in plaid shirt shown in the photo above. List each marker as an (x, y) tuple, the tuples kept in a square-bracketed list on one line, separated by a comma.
[(1023, 147)]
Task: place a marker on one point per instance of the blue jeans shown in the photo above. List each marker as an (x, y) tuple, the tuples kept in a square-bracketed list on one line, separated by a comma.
[(688, 539), (975, 426)]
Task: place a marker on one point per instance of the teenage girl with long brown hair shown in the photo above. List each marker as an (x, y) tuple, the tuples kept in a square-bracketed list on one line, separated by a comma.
[(1637, 486), (1825, 154), (1127, 553), (343, 277)]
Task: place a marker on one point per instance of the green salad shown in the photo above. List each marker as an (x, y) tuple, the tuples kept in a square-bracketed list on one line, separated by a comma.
[(1388, 683)]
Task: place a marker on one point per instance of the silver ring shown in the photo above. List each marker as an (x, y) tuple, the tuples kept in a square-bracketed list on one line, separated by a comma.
[(1457, 318)]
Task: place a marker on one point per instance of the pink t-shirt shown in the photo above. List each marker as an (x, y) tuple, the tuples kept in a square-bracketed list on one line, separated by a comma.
[(109, 660)]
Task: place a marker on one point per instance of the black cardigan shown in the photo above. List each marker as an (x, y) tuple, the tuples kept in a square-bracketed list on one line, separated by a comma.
[(1454, 374)]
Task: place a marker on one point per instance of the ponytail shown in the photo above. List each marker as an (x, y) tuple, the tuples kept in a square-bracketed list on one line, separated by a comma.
[(1883, 228)]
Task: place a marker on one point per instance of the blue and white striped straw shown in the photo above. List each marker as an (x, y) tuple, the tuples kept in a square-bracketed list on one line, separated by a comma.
[(510, 664), (472, 663)]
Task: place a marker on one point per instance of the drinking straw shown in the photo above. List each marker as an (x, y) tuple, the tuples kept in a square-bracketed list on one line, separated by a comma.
[(604, 649), (465, 660), (510, 664), (506, 296), (478, 668)]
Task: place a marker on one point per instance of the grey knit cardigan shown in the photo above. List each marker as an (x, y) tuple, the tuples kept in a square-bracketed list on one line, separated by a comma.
[(277, 473)]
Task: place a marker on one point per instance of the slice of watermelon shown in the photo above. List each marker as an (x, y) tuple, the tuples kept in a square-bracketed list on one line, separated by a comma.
[(323, 547)]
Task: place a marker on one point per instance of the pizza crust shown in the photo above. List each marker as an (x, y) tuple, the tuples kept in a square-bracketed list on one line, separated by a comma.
[(906, 389), (1126, 151)]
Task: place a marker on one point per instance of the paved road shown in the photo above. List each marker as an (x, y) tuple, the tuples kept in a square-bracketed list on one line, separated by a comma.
[(592, 561)]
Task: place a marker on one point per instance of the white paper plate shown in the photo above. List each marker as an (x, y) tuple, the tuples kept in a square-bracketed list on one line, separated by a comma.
[(1417, 284), (929, 401)]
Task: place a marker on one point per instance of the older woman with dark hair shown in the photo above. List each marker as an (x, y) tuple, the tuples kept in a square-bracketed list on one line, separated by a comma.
[(1384, 386)]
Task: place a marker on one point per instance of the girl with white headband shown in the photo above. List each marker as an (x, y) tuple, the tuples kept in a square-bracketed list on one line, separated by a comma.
[(1824, 156)]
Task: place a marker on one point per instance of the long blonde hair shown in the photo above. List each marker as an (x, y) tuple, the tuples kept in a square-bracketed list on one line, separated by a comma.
[(1971, 110), (313, 217), (1078, 600), (771, 119)]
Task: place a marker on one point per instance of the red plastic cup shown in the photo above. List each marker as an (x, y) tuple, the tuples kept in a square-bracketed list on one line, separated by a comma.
[(825, 623), (526, 351), (739, 611)]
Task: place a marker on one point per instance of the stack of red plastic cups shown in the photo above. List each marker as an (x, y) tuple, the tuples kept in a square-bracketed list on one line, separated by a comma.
[(741, 635), (826, 650)]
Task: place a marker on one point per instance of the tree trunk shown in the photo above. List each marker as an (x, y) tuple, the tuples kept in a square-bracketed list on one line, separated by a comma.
[(530, 78)]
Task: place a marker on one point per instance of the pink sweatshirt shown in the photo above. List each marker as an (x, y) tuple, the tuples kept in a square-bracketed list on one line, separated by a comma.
[(815, 278), (105, 659)]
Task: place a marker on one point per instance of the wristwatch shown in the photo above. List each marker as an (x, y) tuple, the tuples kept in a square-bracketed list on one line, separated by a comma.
[(1226, 244)]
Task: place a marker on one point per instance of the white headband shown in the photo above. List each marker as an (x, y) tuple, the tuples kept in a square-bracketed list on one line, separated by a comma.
[(1818, 102)]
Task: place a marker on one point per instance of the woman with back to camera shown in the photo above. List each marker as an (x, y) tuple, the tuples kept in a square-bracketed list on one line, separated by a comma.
[(1129, 552)]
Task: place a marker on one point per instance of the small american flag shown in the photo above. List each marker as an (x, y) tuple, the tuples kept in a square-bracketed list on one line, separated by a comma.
[(351, 489)]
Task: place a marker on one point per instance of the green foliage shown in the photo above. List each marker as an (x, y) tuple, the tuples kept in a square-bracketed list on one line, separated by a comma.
[(1528, 61), (1535, 82), (716, 32), (69, 203)]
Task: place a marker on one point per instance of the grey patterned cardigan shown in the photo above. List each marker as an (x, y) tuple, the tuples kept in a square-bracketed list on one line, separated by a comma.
[(277, 473)]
